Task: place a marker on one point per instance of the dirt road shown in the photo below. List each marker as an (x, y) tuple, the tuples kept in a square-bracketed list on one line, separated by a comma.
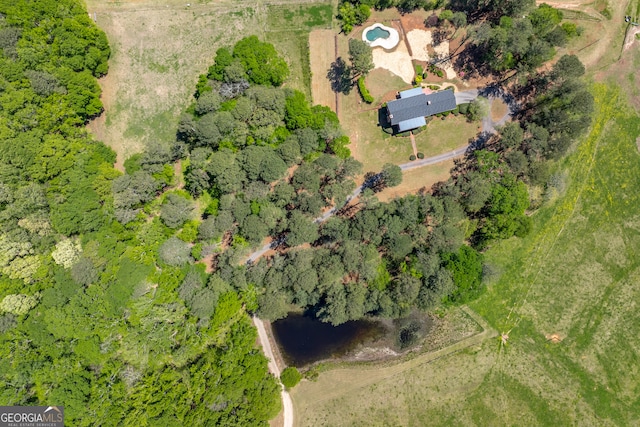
[(273, 368)]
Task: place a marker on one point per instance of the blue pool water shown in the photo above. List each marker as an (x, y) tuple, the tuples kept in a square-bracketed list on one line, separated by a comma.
[(377, 33)]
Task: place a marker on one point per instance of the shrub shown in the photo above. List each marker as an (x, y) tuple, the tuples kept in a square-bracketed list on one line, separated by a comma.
[(212, 208), (412, 157), (463, 108), (419, 130), (421, 155), (364, 92), (570, 29), (290, 377), (132, 164), (312, 374), (196, 251), (438, 72), (418, 80), (189, 231)]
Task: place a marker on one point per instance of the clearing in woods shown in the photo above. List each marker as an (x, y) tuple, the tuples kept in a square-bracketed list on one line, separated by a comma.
[(160, 47), (564, 297)]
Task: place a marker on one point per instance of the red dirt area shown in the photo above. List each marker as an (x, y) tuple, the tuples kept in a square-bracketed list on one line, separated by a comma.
[(414, 21)]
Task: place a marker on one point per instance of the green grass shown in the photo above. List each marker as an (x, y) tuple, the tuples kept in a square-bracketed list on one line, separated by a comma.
[(381, 82), (375, 148), (287, 28), (633, 9), (576, 276), (298, 17), (445, 135), (294, 47)]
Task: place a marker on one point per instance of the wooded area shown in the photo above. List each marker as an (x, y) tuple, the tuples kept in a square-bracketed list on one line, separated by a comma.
[(91, 315)]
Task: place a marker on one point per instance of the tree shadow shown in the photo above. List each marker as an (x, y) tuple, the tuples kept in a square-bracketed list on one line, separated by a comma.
[(383, 121), (339, 75)]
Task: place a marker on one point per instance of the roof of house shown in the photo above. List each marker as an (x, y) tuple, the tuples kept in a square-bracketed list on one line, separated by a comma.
[(420, 105), (411, 124), (411, 92)]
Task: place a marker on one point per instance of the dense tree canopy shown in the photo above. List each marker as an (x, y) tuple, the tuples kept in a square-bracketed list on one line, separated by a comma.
[(91, 316), (519, 41)]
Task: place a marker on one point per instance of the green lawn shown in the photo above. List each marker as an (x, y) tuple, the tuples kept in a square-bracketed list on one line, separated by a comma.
[(442, 136), (576, 276), (375, 148), (380, 82)]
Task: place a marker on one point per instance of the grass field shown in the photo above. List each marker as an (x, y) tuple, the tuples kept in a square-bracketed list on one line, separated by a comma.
[(287, 28), (160, 47), (566, 296), (382, 82)]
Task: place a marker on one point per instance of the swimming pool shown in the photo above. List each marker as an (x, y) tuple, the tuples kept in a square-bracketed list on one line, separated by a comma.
[(380, 35), (377, 33)]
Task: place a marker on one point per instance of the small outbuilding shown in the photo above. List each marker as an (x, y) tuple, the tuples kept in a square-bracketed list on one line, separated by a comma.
[(413, 105)]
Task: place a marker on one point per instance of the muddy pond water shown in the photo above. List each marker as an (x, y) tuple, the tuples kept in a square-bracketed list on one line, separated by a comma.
[(304, 339)]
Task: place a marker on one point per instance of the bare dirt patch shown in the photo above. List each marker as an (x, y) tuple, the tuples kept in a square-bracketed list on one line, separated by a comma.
[(554, 338), (498, 109), (420, 40), (631, 37), (414, 20), (321, 55)]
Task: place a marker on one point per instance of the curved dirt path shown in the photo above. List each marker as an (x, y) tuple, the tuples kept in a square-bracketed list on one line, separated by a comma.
[(287, 404)]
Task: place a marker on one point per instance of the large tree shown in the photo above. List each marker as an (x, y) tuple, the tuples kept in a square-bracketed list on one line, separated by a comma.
[(261, 61), (361, 57)]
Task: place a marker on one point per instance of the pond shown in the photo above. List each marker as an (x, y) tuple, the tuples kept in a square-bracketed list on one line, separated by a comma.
[(304, 339)]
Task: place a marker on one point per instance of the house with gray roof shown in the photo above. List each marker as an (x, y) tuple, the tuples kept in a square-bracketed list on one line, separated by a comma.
[(409, 111)]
